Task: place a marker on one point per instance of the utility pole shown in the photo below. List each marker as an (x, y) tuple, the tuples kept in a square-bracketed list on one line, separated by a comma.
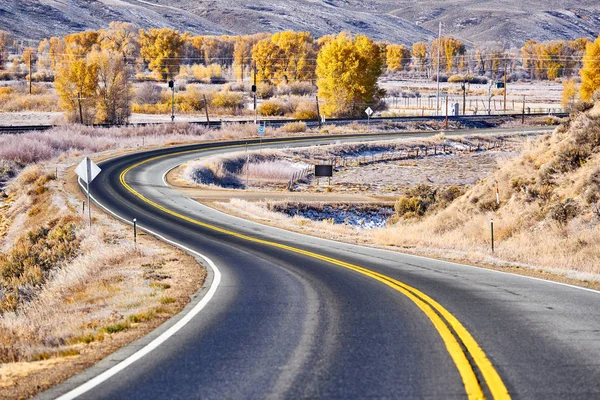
[(206, 109), (504, 83), (318, 111), (30, 88), (437, 107)]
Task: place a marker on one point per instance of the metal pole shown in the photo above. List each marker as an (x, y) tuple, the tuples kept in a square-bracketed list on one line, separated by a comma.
[(173, 103), (523, 115), (255, 91), (437, 109), (247, 166), (464, 89), (318, 111), (505, 83), (89, 205)]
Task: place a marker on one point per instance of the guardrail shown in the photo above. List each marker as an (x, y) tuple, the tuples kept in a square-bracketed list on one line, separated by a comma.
[(309, 122)]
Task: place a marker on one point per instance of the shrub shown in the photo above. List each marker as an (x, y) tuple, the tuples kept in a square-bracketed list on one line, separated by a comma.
[(294, 127), (564, 212), (228, 100), (238, 87), (409, 207), (272, 108), (303, 88), (571, 157), (148, 93), (477, 80), (265, 91), (31, 260), (306, 111)]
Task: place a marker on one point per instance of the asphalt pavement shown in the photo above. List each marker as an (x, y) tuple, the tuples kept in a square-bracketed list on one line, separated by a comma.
[(295, 316)]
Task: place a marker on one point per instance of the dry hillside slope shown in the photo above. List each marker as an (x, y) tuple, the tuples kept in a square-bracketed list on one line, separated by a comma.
[(400, 21), (549, 212)]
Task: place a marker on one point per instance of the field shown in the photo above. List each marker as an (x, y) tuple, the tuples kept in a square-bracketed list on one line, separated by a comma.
[(546, 219), (151, 101)]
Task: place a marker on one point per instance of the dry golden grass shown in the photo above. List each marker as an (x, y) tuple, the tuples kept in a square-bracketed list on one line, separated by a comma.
[(548, 213), (77, 287)]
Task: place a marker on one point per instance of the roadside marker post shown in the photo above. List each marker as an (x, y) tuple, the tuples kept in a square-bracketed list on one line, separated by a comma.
[(369, 112), (87, 171), (135, 232), (492, 231)]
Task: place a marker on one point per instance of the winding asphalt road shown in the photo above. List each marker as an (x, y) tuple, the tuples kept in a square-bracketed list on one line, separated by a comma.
[(300, 317)]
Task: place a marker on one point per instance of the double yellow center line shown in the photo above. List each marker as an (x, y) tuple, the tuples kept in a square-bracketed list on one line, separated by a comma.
[(442, 319)]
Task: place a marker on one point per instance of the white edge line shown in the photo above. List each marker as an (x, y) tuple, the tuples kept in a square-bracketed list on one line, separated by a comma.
[(384, 250), (92, 383)]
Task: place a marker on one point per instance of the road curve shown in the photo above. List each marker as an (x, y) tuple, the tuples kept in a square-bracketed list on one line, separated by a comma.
[(301, 317)]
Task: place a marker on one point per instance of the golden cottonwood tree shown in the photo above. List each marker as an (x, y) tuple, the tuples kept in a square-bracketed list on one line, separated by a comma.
[(5, 39), (120, 37), (81, 43), (450, 49), (267, 58), (419, 53), (569, 94), (76, 81), (113, 90), (590, 73), (398, 57), (347, 73), (242, 53), (162, 50), (299, 51)]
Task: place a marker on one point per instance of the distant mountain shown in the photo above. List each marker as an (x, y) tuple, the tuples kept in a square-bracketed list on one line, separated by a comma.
[(404, 21)]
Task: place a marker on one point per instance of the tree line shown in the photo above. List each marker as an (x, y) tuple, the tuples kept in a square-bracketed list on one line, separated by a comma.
[(93, 70)]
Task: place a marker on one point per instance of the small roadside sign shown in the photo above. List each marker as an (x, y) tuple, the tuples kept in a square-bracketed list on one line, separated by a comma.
[(261, 130), (87, 171), (369, 111)]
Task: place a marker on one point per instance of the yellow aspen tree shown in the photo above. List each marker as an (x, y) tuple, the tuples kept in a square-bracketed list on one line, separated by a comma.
[(81, 43), (267, 58), (162, 50), (298, 50), (528, 53), (113, 89), (419, 53), (590, 73), (120, 37), (5, 40), (76, 81), (347, 73), (397, 57), (569, 94)]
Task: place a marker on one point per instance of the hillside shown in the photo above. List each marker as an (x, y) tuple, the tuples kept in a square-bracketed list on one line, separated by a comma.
[(398, 21), (549, 211)]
